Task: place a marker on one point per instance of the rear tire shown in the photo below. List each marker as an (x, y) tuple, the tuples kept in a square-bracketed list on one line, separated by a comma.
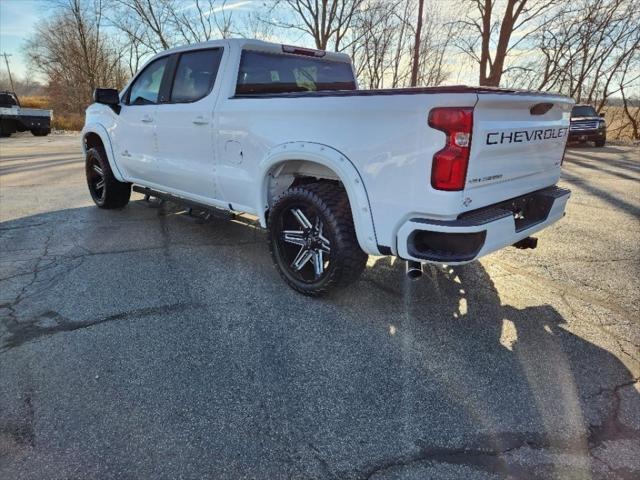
[(4, 129), (600, 143), (105, 190), (41, 132), (312, 239)]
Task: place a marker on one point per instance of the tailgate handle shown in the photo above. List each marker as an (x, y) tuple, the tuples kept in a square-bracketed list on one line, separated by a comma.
[(540, 108)]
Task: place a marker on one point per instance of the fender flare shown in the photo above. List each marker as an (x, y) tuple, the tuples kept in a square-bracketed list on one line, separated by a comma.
[(338, 163), (99, 130)]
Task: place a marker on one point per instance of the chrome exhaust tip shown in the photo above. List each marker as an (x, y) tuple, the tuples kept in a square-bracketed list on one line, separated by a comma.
[(414, 270)]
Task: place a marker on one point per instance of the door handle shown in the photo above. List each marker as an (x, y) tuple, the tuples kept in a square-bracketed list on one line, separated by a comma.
[(200, 121), (147, 119)]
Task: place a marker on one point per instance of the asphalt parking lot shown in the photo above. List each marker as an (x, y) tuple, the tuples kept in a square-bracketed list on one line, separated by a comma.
[(145, 343)]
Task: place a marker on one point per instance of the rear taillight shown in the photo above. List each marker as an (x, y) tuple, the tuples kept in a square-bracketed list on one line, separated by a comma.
[(449, 168)]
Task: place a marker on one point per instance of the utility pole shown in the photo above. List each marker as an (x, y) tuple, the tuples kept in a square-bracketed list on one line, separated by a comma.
[(6, 60)]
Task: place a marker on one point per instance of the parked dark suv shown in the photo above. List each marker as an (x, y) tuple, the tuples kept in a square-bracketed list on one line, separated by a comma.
[(587, 125)]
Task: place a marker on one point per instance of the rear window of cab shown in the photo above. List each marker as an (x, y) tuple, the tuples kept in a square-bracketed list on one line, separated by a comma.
[(265, 73)]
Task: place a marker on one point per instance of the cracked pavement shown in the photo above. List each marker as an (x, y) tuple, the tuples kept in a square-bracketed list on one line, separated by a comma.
[(146, 343)]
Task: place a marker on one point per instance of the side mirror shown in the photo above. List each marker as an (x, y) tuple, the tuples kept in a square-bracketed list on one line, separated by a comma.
[(106, 96), (602, 115)]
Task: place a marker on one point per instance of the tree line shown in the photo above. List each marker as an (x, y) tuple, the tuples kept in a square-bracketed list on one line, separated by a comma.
[(587, 49)]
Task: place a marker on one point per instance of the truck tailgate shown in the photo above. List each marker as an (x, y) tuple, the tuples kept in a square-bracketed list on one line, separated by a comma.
[(517, 145)]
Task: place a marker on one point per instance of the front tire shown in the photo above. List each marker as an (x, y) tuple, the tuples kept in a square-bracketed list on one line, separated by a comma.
[(40, 132), (105, 190), (600, 143), (312, 239)]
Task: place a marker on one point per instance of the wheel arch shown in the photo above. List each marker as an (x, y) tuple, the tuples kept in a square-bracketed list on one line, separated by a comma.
[(288, 162), (95, 135)]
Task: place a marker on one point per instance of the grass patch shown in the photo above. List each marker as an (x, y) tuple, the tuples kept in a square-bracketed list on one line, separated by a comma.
[(35, 101)]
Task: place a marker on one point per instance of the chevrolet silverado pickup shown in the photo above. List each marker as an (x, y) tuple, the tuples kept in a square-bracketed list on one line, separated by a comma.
[(442, 175)]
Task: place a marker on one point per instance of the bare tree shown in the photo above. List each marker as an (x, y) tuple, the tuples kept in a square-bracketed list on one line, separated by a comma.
[(384, 52), (253, 25), (632, 114), (487, 33), (372, 53), (151, 26), (74, 54), (327, 21), (591, 50), (23, 85), (416, 45)]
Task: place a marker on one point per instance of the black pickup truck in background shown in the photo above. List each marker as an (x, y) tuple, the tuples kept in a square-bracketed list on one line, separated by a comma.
[(587, 125), (14, 118)]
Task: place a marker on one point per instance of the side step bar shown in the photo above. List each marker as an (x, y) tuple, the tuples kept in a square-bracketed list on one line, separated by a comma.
[(217, 212)]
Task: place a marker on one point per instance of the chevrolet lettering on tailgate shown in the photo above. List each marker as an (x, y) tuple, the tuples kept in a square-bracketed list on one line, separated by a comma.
[(520, 136)]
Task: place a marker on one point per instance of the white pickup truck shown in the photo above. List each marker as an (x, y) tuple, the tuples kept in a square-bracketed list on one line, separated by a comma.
[(15, 118), (441, 175)]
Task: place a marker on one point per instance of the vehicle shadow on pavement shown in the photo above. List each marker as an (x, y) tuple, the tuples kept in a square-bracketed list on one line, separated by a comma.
[(383, 377), (516, 375)]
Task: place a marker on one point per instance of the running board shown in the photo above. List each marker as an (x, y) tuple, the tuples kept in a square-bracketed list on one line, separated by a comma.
[(217, 212)]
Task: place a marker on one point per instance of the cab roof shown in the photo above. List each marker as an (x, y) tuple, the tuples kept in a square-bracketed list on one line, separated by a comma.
[(260, 45)]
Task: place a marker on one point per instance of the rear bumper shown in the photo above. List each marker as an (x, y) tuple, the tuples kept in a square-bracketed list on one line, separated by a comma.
[(21, 123), (475, 234)]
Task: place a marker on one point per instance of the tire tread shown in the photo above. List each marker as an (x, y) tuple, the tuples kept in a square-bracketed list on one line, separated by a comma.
[(331, 199), (118, 193)]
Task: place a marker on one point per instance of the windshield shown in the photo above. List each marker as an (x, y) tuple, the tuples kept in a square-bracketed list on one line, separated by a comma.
[(8, 100), (584, 111), (262, 72)]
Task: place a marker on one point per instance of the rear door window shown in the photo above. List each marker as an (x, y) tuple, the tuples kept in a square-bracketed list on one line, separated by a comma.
[(262, 72), (195, 75)]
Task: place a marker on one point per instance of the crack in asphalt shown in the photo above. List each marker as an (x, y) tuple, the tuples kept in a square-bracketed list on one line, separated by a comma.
[(50, 323), (611, 427), (148, 248), (18, 227), (478, 456), (563, 289), (90, 253), (603, 328), (322, 460), (22, 330), (23, 433)]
